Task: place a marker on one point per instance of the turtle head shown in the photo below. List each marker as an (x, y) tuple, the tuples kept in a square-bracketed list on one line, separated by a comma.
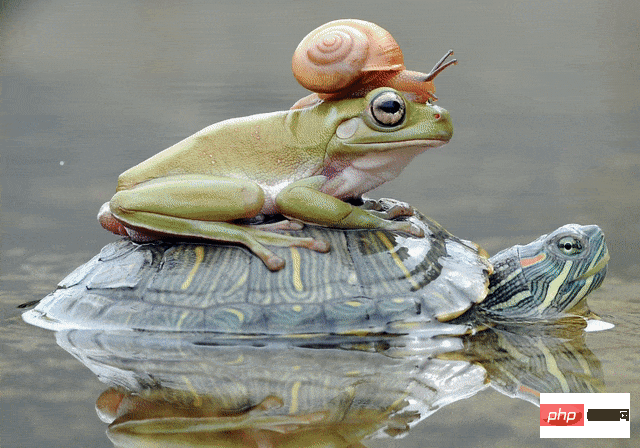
[(550, 275)]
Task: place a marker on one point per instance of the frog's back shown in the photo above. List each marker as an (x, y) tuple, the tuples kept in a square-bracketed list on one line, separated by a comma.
[(264, 147)]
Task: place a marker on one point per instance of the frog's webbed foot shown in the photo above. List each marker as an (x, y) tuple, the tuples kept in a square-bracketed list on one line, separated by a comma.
[(391, 209), (387, 208), (260, 232), (406, 227), (256, 240)]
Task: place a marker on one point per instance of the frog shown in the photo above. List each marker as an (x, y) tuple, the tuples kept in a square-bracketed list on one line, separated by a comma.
[(307, 165)]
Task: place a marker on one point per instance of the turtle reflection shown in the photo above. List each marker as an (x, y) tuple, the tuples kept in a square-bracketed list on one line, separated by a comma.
[(188, 389)]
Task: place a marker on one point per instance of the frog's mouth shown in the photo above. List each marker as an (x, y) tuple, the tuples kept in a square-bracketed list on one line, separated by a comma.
[(415, 145)]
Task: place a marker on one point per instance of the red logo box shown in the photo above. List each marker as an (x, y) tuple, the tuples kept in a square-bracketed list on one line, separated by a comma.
[(562, 414)]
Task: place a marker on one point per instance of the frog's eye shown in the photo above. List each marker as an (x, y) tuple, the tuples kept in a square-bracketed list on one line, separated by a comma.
[(387, 109), (570, 245)]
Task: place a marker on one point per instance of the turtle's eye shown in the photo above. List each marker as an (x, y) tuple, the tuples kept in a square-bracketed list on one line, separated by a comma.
[(387, 109), (570, 245)]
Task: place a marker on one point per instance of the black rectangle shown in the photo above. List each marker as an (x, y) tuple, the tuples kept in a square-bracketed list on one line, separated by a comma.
[(607, 415)]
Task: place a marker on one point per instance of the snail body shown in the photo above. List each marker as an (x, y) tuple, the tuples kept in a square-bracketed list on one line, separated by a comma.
[(348, 58)]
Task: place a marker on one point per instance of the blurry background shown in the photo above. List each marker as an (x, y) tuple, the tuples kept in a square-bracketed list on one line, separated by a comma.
[(545, 104)]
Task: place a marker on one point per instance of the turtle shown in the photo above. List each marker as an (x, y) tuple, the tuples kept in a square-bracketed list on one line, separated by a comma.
[(371, 282)]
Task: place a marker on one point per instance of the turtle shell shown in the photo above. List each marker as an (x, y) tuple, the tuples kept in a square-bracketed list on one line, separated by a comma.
[(370, 282)]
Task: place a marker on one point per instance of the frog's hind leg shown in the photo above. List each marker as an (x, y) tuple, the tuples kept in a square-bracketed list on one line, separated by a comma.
[(201, 206), (254, 239)]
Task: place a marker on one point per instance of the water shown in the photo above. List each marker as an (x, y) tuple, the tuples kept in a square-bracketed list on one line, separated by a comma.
[(545, 108)]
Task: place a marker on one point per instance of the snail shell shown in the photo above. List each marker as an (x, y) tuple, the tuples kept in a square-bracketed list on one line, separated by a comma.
[(334, 56), (348, 58)]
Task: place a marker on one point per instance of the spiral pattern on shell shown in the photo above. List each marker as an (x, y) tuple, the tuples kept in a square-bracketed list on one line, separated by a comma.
[(326, 61), (337, 44), (338, 53)]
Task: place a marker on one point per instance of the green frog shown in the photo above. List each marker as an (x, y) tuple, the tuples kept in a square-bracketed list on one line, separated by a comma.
[(301, 163)]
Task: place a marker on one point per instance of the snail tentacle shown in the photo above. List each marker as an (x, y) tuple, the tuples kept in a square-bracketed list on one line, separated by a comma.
[(435, 71)]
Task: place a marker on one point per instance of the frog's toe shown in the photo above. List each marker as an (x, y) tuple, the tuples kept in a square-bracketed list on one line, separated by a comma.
[(399, 210), (416, 231), (395, 208), (270, 259), (410, 228), (295, 225), (273, 262), (320, 245), (109, 222), (285, 224), (315, 244)]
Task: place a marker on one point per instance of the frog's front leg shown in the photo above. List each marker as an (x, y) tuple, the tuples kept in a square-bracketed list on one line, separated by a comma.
[(302, 200), (200, 206)]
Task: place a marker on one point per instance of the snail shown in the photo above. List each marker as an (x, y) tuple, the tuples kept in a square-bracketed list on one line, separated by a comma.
[(349, 58)]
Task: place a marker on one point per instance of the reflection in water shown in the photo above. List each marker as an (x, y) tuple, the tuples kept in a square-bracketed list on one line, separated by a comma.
[(196, 389)]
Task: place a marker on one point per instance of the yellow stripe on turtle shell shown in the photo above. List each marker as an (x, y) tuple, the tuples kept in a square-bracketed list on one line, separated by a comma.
[(197, 399), (199, 250), (237, 361), (183, 316), (239, 314), (294, 397), (389, 245), (297, 279)]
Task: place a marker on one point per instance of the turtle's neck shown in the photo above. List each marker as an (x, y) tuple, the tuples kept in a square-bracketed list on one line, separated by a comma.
[(508, 289)]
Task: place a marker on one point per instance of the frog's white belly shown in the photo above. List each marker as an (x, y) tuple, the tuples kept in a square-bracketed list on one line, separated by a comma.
[(352, 177), (270, 193)]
